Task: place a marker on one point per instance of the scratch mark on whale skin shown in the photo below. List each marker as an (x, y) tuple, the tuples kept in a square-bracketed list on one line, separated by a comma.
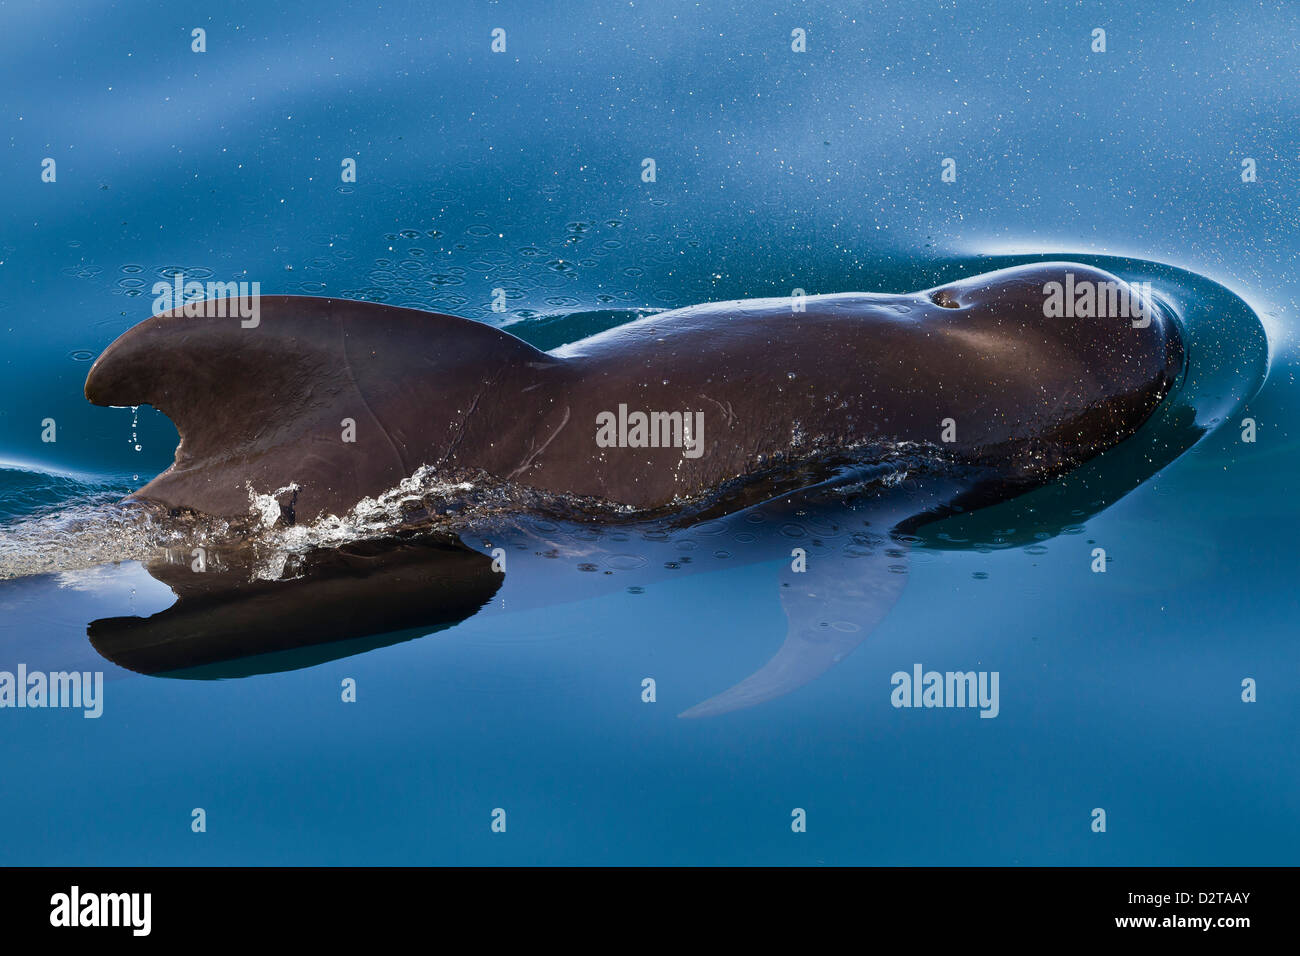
[(546, 444)]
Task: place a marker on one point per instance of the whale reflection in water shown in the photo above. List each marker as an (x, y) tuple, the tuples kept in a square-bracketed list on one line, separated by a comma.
[(229, 622)]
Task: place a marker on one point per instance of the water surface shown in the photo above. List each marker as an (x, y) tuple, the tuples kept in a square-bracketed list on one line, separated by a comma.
[(774, 171)]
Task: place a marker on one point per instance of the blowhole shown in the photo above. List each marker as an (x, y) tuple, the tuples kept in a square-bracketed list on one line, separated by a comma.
[(944, 299)]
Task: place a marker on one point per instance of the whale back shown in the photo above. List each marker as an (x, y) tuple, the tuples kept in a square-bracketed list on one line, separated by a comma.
[(324, 402)]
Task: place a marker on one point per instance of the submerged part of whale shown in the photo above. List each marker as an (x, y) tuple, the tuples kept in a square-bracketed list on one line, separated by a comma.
[(231, 621), (341, 400)]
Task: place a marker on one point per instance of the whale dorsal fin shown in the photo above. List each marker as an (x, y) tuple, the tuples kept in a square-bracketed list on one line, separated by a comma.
[(267, 405)]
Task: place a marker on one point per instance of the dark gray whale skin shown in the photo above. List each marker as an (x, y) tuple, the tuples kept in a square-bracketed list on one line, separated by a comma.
[(262, 407)]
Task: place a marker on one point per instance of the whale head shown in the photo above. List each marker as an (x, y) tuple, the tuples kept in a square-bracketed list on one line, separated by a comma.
[(1058, 362)]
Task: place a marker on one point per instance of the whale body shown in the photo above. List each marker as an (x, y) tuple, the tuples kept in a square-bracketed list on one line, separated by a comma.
[(341, 400), (813, 417)]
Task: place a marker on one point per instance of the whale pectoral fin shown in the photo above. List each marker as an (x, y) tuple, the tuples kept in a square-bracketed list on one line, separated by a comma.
[(830, 609)]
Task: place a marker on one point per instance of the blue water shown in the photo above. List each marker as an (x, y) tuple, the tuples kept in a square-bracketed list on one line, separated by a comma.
[(775, 170)]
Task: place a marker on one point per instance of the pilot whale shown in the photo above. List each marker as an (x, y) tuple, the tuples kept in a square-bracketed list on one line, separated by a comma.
[(879, 413), (326, 401)]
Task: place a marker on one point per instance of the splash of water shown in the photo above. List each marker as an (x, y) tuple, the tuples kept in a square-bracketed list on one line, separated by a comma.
[(93, 528)]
